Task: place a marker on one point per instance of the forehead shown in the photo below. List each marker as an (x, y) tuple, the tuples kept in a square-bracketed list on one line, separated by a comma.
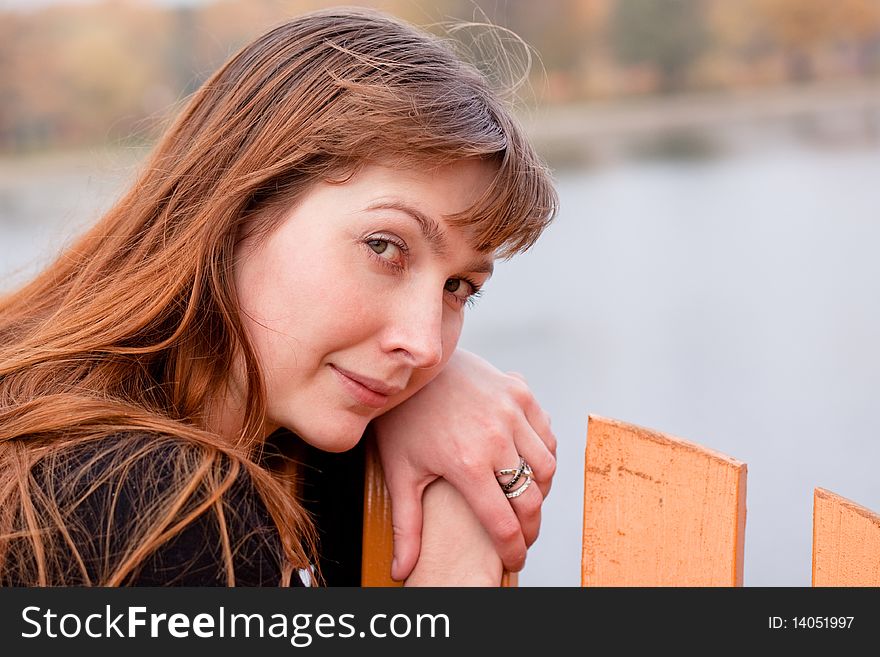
[(455, 186), (430, 195)]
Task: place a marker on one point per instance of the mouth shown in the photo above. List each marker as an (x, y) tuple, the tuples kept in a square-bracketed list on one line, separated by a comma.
[(367, 391)]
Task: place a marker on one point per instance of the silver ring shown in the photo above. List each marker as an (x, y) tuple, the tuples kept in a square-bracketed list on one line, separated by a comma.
[(522, 475)]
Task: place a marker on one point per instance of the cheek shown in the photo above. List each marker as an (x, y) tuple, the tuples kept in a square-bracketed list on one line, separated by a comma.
[(319, 298), (451, 332), (336, 309)]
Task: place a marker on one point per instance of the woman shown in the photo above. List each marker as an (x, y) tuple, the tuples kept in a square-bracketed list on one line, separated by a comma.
[(292, 264)]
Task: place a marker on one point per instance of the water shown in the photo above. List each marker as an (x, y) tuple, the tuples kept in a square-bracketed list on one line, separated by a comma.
[(730, 302), (46, 200)]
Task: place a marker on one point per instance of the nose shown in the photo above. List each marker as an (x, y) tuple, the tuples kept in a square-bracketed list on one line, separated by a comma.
[(415, 329)]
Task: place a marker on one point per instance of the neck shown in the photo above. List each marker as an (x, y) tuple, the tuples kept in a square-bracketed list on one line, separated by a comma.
[(226, 415)]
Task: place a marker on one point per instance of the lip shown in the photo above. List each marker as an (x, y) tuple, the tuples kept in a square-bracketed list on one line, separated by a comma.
[(367, 391)]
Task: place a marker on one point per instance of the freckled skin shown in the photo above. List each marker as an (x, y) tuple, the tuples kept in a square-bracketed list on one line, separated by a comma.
[(344, 284)]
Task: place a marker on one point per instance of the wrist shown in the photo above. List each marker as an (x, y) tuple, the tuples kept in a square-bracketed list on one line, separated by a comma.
[(455, 549)]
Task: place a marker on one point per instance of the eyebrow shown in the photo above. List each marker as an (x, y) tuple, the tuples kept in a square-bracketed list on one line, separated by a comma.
[(433, 234)]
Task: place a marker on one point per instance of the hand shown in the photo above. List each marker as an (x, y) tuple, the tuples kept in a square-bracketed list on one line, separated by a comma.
[(467, 423), (455, 548)]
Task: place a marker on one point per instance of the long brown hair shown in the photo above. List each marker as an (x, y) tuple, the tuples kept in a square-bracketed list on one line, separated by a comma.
[(133, 329)]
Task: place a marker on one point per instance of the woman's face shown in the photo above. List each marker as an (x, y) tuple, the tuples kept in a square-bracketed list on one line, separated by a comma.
[(357, 299)]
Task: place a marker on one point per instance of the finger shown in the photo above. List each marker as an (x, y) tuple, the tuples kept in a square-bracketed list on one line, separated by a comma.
[(538, 444), (537, 416), (539, 419), (535, 452), (406, 523), (531, 445), (493, 510), (527, 506)]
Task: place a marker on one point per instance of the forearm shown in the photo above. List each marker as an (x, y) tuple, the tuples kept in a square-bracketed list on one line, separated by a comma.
[(456, 550)]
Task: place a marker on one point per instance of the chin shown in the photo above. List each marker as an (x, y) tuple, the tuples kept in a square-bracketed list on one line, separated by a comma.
[(341, 437), (339, 445)]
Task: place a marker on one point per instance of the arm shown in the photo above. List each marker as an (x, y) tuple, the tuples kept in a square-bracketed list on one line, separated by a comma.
[(455, 549), (468, 422)]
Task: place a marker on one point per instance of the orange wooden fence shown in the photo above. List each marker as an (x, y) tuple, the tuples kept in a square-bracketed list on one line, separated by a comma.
[(377, 547), (662, 511), (846, 542)]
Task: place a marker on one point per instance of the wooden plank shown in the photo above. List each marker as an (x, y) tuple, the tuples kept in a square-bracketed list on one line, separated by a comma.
[(378, 546), (659, 510), (846, 542), (378, 543)]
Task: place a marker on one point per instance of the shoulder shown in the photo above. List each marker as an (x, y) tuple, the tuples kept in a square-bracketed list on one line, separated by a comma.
[(132, 459), (140, 471), (154, 510)]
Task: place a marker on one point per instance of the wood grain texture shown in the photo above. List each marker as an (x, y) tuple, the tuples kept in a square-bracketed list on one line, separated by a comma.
[(846, 542), (659, 510), (378, 543)]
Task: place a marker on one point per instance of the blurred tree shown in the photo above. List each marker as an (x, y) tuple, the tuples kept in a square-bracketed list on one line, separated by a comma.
[(669, 35), (10, 100), (807, 29), (79, 74), (857, 22), (800, 28)]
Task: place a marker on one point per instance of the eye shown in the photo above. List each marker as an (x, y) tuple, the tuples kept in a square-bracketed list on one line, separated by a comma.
[(381, 247), (453, 285), (387, 252), (464, 290)]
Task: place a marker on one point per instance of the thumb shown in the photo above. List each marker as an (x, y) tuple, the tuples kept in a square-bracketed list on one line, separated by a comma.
[(406, 522)]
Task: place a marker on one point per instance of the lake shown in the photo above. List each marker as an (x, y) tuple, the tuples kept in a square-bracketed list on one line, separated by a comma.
[(731, 301)]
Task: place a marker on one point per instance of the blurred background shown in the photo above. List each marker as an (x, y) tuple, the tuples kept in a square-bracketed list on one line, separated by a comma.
[(711, 271)]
